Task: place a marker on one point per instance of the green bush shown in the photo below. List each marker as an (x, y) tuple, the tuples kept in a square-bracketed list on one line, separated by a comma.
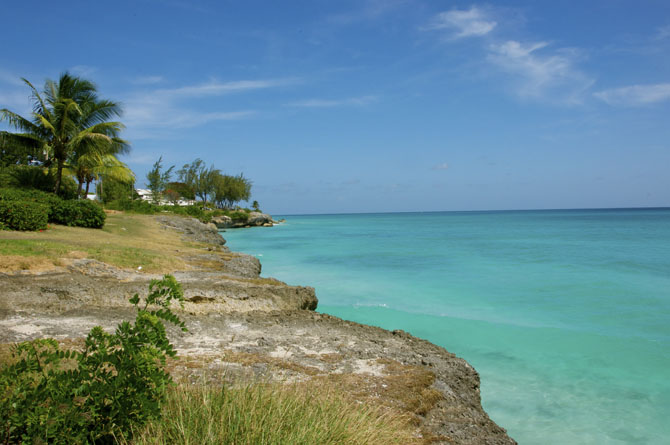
[(23, 215), (81, 213), (113, 387), (238, 215)]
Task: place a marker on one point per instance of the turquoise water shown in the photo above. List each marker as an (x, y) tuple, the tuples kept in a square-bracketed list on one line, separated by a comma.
[(565, 314)]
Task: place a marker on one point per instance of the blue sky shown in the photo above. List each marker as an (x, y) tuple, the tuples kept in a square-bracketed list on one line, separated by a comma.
[(355, 106)]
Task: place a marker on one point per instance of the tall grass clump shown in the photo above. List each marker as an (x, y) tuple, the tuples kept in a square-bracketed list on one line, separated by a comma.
[(270, 414)]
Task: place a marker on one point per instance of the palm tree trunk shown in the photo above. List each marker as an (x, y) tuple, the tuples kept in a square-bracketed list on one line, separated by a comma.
[(88, 184), (81, 185), (59, 175)]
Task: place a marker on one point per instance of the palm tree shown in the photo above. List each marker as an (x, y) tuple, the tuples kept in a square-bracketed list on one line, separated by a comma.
[(68, 119), (91, 166)]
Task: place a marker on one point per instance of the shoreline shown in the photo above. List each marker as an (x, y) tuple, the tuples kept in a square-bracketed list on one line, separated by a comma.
[(244, 326)]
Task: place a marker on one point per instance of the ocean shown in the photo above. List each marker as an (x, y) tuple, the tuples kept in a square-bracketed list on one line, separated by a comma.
[(565, 314)]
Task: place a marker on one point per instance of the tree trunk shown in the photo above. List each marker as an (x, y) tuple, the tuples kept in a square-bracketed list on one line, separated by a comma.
[(81, 185), (88, 184), (59, 175)]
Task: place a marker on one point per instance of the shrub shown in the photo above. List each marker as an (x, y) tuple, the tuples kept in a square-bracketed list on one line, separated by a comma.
[(83, 213), (239, 215), (79, 213), (115, 385), (23, 215)]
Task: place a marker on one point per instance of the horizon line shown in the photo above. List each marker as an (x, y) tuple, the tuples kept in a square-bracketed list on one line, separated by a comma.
[(475, 211)]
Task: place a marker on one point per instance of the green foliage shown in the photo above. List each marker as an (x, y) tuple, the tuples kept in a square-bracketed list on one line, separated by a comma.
[(238, 215), (13, 151), (80, 213), (68, 119), (199, 178), (114, 386), (158, 179), (110, 189), (229, 190), (184, 190), (23, 215), (36, 177)]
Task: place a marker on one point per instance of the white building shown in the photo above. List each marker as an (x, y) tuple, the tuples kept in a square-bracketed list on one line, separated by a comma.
[(146, 195)]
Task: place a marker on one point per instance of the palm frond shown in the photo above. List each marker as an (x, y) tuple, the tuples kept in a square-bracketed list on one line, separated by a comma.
[(17, 121)]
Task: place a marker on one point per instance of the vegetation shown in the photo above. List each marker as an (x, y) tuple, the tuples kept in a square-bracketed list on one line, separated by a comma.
[(105, 392), (36, 177), (157, 180), (110, 189), (25, 209), (23, 215), (199, 178), (270, 414), (69, 123)]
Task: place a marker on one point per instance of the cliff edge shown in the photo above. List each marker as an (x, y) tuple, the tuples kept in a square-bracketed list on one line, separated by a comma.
[(243, 327)]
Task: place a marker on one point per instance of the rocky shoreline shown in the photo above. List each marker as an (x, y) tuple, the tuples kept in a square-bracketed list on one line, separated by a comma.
[(245, 327)]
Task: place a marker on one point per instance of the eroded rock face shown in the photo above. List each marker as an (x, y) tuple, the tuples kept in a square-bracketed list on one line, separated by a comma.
[(259, 219), (222, 222), (254, 219), (194, 230)]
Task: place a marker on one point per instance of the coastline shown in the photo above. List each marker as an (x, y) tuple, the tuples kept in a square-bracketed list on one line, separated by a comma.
[(247, 327)]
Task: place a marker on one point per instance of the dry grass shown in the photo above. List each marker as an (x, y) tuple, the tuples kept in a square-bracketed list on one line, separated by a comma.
[(272, 414), (127, 241)]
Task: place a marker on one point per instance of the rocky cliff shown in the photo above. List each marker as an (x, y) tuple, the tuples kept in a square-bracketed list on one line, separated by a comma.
[(243, 326)]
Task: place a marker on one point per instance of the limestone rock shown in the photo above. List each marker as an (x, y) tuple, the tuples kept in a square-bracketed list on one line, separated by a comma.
[(222, 222)]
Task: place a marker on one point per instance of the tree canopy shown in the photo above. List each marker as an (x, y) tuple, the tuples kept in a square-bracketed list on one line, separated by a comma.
[(69, 121)]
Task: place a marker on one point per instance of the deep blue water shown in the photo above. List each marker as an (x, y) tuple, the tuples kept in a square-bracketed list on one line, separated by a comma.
[(565, 314)]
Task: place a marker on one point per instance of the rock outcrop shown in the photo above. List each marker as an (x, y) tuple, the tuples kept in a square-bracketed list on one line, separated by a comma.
[(253, 219)]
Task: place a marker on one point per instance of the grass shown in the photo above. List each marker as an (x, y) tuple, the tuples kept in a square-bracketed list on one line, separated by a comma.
[(271, 414), (126, 241)]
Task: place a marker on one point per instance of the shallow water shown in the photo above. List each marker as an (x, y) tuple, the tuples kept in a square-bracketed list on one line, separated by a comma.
[(565, 314)]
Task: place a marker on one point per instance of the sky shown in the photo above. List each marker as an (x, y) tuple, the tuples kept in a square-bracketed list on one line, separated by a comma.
[(374, 105)]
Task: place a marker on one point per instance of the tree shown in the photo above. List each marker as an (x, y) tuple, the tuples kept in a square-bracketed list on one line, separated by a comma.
[(200, 178), (183, 189), (111, 189), (68, 118), (255, 206), (13, 152), (92, 165), (158, 180), (230, 190)]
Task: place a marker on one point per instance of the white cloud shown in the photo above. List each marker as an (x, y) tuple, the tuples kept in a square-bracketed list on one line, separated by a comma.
[(464, 23), (147, 80), (215, 88), (10, 78), (542, 74), (83, 70), (442, 166), (663, 32), (328, 103), (635, 95), (167, 108), (15, 95)]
